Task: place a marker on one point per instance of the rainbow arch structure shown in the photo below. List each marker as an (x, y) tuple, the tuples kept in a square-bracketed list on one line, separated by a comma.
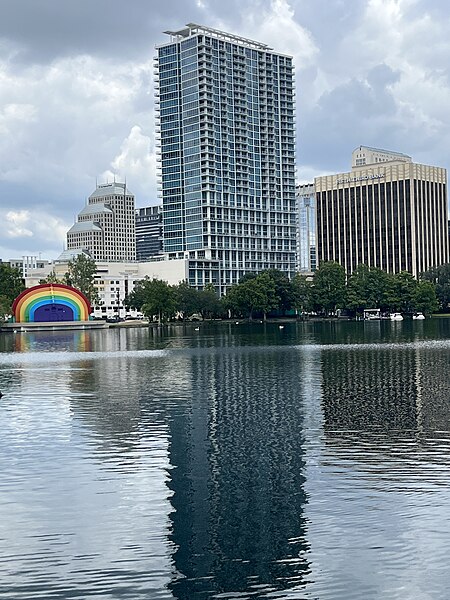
[(51, 302)]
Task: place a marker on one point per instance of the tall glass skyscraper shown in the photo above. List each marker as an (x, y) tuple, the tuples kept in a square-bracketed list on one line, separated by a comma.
[(225, 123), (306, 231)]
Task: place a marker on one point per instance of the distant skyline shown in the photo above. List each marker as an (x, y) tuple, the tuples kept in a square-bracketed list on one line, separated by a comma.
[(76, 93)]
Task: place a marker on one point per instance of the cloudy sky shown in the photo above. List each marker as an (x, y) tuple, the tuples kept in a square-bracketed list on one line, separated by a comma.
[(76, 93)]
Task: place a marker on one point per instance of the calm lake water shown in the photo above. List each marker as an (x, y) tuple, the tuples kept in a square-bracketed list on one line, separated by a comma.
[(309, 462)]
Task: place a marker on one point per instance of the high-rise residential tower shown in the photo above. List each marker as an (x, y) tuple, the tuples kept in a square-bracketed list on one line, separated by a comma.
[(225, 122), (106, 225)]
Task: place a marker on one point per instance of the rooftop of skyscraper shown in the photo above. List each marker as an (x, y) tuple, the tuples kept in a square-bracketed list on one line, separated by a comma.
[(108, 189), (381, 150), (194, 29)]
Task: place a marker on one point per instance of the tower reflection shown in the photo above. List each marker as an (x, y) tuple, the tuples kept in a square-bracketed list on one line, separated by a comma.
[(373, 395), (238, 524)]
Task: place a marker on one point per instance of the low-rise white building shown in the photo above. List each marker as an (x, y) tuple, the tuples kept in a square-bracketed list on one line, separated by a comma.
[(115, 280), (28, 264)]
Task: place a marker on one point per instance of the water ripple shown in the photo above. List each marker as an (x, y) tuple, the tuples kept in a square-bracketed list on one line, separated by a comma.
[(226, 470)]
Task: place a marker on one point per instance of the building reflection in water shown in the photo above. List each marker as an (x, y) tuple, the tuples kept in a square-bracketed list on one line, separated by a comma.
[(371, 393), (238, 524), (48, 341)]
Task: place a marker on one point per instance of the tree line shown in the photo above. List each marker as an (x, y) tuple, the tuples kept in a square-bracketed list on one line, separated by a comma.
[(327, 292), (159, 301), (257, 295)]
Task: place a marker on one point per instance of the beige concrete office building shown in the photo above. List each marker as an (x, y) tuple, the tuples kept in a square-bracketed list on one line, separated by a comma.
[(106, 226), (391, 214)]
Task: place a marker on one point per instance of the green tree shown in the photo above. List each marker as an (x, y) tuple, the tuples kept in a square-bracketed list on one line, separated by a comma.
[(404, 292), (159, 300), (425, 299), (11, 283), (80, 275), (381, 289), (301, 293), (238, 299), (369, 287), (136, 298), (255, 294), (51, 278), (283, 289), (266, 296), (440, 277), (247, 277), (5, 308), (209, 303), (187, 299), (329, 287)]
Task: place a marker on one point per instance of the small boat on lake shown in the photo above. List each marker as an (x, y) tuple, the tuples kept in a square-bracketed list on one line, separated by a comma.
[(418, 316), (396, 317), (372, 314)]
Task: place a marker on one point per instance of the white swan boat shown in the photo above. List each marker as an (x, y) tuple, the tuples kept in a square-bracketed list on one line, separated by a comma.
[(419, 316), (396, 317)]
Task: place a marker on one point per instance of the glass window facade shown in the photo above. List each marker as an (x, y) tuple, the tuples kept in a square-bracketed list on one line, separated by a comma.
[(306, 228), (227, 152), (393, 217), (148, 232)]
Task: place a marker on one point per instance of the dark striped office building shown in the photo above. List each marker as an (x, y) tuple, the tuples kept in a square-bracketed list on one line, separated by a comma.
[(390, 214), (148, 232)]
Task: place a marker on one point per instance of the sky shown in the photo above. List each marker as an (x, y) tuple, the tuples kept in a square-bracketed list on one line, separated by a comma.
[(77, 90)]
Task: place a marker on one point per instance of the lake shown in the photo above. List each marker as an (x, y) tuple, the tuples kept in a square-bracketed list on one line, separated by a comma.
[(234, 462)]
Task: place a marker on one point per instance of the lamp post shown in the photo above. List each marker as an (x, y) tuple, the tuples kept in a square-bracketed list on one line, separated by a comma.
[(118, 304)]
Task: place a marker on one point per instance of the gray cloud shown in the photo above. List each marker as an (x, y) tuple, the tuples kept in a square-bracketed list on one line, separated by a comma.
[(359, 111), (76, 92), (51, 29)]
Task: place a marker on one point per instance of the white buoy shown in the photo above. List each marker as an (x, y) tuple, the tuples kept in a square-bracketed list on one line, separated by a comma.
[(280, 326)]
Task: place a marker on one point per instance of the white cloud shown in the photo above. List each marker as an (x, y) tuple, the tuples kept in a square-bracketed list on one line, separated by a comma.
[(13, 114), (34, 230), (15, 224), (278, 27), (47, 227), (65, 123), (274, 24), (136, 163), (81, 109)]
